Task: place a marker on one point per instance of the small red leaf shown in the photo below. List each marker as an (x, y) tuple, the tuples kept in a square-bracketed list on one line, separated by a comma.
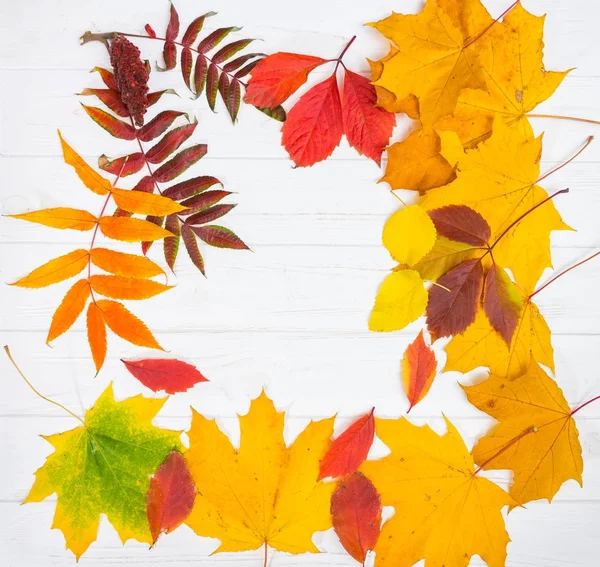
[(107, 77), (216, 37), (314, 126), (350, 449), (191, 34), (186, 66), (219, 236), (356, 515), (191, 245), (173, 26), (178, 164), (111, 98), (224, 86), (234, 99), (191, 187), (230, 50), (202, 201), (112, 125), (209, 215), (154, 97), (239, 61), (145, 185), (166, 374), (212, 85), (279, 76), (461, 224), (451, 312), (123, 166), (418, 370), (170, 56), (149, 30), (170, 143), (247, 69), (158, 125), (171, 243), (367, 126), (200, 74), (170, 496)]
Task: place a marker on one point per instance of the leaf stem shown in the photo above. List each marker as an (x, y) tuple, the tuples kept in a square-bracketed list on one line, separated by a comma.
[(563, 273), (491, 25), (587, 143), (532, 429), (265, 561), (7, 350), (341, 56), (585, 404), (559, 117)]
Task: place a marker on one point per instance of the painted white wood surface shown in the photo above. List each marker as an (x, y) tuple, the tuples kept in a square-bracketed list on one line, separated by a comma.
[(291, 316)]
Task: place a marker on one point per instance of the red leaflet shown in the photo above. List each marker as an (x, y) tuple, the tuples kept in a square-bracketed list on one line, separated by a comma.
[(212, 85), (178, 164), (191, 245), (451, 312), (230, 50), (154, 97), (149, 30), (219, 236), (202, 201), (145, 185), (356, 515), (239, 61), (191, 187), (208, 215), (502, 303), (350, 449), (112, 125), (279, 76), (418, 370), (170, 497), (170, 56), (170, 143), (216, 37), (171, 243), (123, 166), (158, 125), (110, 98), (314, 126), (173, 25), (169, 375), (186, 66), (191, 34), (367, 126), (107, 77), (461, 224), (200, 74)]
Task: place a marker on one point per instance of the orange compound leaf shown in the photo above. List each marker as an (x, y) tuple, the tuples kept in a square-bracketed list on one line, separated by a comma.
[(348, 451), (61, 217), (356, 515), (96, 333), (142, 203), (279, 76), (126, 325), (127, 265), (418, 370), (57, 270), (90, 178), (171, 496), (131, 230), (170, 375), (112, 125), (367, 126), (314, 126), (69, 309), (118, 287)]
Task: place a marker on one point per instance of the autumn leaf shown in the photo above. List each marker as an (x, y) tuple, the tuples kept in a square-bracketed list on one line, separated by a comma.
[(170, 496), (430, 481), (57, 270), (96, 334), (61, 217), (268, 494), (445, 255), (418, 370), (131, 230), (69, 309), (350, 449), (536, 436), (122, 264), (461, 224), (145, 203), (119, 287), (166, 374), (104, 467), (356, 515)]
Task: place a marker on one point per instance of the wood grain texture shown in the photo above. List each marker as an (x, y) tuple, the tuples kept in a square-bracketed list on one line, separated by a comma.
[(290, 315)]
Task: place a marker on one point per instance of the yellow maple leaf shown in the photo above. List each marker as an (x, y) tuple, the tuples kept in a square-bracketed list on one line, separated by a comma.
[(536, 436), (444, 513), (263, 493), (498, 179)]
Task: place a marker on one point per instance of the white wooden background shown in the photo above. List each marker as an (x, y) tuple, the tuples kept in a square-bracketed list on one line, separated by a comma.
[(291, 315)]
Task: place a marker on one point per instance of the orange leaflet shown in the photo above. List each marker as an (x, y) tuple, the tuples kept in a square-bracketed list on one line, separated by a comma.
[(96, 333), (131, 230), (69, 309), (57, 270), (121, 264), (118, 287), (61, 217), (145, 203), (418, 370)]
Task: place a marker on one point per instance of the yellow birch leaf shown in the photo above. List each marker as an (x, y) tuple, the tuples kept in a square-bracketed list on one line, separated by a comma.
[(409, 234), (57, 270)]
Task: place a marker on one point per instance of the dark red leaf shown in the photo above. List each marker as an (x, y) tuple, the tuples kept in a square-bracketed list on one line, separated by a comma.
[(234, 99), (200, 74), (190, 187), (356, 515), (230, 50), (502, 303), (348, 451), (239, 61), (123, 166), (170, 496), (170, 375), (461, 224), (170, 142), (107, 77), (277, 113), (170, 56), (112, 125), (173, 26), (367, 126), (191, 34), (212, 85), (171, 243), (247, 69), (186, 66), (202, 201), (158, 125), (219, 236), (145, 185), (279, 76), (451, 312), (149, 30), (224, 86), (213, 39), (208, 215), (191, 245), (314, 126), (154, 97), (178, 164), (110, 98)]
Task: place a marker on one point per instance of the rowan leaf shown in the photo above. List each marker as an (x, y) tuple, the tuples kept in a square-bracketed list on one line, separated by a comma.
[(230, 50), (112, 125), (279, 76), (69, 310), (123, 166), (178, 164), (167, 374), (145, 203), (209, 214), (61, 217), (356, 515), (271, 495), (461, 224), (203, 200), (191, 245), (131, 230), (536, 436), (127, 265), (190, 187), (173, 25), (219, 236), (314, 126), (56, 270), (159, 124), (170, 142), (348, 451), (96, 334), (429, 480), (116, 436), (401, 300), (170, 497), (191, 33), (418, 370), (119, 287)]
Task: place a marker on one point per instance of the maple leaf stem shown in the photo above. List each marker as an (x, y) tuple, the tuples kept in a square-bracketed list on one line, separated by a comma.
[(491, 25), (12, 360), (587, 143), (559, 117), (585, 404), (563, 273), (507, 446), (512, 224)]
